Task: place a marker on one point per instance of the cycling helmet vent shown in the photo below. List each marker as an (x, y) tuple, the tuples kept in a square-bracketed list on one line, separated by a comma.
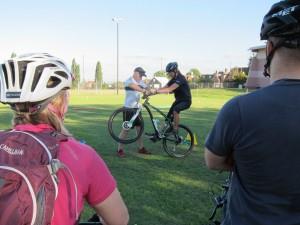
[(22, 71), (38, 73), (12, 70), (5, 75), (53, 82), (62, 74)]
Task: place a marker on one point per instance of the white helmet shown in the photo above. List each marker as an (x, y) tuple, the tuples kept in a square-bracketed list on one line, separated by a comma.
[(33, 78)]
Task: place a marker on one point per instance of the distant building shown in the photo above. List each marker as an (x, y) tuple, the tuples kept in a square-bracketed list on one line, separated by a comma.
[(89, 85), (207, 77), (158, 82), (219, 77), (256, 78)]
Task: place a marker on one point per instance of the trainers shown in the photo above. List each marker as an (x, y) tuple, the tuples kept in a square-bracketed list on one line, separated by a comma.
[(121, 153), (144, 151)]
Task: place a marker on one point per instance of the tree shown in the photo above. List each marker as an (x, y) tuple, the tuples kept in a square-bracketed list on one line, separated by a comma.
[(75, 69), (240, 77), (160, 73), (13, 55), (99, 75), (195, 73)]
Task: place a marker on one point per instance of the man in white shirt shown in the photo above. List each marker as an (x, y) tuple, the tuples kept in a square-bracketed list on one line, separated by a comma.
[(134, 86)]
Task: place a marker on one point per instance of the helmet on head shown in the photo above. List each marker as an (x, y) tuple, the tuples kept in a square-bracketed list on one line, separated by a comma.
[(283, 20), (172, 67), (32, 78)]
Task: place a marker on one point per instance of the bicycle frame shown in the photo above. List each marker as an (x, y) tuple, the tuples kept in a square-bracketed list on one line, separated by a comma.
[(148, 108)]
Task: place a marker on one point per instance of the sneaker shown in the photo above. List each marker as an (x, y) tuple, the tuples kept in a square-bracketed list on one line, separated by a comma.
[(144, 151), (121, 153)]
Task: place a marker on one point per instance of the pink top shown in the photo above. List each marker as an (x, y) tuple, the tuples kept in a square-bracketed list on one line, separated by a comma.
[(92, 177)]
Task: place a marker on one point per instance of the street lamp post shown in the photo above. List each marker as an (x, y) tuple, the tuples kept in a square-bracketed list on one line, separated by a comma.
[(117, 20)]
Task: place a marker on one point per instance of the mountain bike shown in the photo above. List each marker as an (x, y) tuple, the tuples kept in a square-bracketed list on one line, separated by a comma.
[(176, 144)]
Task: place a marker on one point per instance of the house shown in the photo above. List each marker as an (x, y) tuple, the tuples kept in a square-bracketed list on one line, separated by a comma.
[(207, 77), (256, 78), (219, 77), (158, 82)]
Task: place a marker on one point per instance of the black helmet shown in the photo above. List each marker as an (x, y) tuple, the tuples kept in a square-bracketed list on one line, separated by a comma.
[(171, 67), (283, 21)]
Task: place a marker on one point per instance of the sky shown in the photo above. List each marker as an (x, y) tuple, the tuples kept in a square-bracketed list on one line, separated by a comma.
[(203, 34)]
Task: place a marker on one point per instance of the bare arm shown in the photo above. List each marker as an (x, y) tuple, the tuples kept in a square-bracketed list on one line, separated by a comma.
[(215, 162), (166, 90), (113, 210), (137, 88)]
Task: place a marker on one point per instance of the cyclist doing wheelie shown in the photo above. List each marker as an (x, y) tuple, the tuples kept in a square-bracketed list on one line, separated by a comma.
[(180, 87), (134, 86)]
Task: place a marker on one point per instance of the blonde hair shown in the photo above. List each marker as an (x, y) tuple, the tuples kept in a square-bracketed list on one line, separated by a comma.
[(46, 116)]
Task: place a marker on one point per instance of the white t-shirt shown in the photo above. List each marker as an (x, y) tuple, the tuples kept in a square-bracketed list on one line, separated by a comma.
[(132, 96)]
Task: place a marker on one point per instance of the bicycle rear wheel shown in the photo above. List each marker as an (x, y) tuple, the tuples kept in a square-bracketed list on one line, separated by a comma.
[(179, 145), (122, 129)]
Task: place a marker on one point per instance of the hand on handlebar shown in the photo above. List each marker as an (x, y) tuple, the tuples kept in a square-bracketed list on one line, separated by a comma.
[(149, 92), (153, 91)]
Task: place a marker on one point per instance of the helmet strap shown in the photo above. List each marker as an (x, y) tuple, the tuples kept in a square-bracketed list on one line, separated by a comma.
[(270, 57)]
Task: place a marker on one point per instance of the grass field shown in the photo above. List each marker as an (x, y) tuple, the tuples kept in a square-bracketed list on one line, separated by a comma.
[(158, 189)]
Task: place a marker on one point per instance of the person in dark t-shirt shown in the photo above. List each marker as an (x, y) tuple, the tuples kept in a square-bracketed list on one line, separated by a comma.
[(257, 135), (180, 87)]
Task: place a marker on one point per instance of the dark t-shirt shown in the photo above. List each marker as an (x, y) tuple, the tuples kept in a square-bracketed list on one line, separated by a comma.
[(183, 92), (262, 130)]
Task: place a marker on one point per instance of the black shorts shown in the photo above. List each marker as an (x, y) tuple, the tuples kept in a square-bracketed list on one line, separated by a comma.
[(128, 114), (178, 106)]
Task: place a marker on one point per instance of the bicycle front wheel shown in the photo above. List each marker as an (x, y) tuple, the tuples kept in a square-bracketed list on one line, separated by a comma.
[(179, 145), (123, 128)]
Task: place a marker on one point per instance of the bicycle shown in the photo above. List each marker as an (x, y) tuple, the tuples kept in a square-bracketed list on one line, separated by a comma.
[(220, 202), (176, 144)]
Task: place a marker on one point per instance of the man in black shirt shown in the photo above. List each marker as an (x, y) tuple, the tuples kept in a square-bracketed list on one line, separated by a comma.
[(257, 135), (180, 87)]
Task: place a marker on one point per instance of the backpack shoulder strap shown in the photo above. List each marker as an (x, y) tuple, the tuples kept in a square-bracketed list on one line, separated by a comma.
[(48, 140), (38, 140)]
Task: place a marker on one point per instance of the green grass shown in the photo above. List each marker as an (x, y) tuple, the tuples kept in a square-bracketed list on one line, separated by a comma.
[(157, 189)]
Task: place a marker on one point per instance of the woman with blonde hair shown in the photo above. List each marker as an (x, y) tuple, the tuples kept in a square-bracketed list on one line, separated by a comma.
[(36, 88)]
